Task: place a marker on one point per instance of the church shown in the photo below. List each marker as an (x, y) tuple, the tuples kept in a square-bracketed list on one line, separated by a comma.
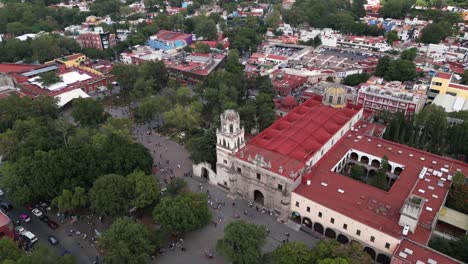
[(299, 169)]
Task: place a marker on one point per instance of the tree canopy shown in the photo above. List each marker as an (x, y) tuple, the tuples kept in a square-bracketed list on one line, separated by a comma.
[(110, 195), (126, 242), (88, 111), (183, 213), (242, 242)]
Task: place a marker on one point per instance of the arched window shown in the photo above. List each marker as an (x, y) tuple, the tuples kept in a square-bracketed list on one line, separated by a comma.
[(338, 100), (330, 99), (231, 128), (224, 143)]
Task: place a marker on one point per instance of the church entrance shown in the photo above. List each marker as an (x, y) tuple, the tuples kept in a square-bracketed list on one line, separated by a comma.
[(204, 173), (258, 197)]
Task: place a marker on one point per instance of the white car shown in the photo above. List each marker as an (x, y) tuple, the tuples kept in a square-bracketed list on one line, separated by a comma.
[(2, 192), (36, 212), (20, 230)]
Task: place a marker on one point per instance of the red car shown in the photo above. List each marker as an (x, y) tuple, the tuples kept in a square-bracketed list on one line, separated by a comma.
[(52, 224)]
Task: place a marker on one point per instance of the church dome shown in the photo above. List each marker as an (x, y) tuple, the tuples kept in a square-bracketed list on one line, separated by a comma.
[(335, 97)]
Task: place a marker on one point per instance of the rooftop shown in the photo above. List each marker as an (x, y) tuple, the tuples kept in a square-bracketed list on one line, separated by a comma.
[(374, 207), (291, 141), (171, 35), (411, 252)]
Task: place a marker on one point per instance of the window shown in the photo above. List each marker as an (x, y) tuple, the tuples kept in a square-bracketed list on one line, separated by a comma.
[(280, 187), (259, 176), (297, 204), (320, 214), (339, 100), (332, 220), (437, 83), (358, 232), (239, 170), (387, 245), (372, 239), (225, 161), (308, 209), (345, 226), (225, 183), (330, 99)]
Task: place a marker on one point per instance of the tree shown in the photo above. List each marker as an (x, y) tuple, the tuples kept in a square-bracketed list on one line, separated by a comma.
[(353, 253), (79, 198), (356, 79), (155, 71), (400, 70), (434, 33), (125, 75), (292, 253), (203, 148), (358, 8), (88, 112), (392, 36), (273, 19), (145, 189), (126, 242), (110, 195), (45, 255), (185, 118), (464, 76), (150, 106), (177, 186), (357, 172), (330, 79), (183, 213), (183, 95), (409, 54), (458, 194), (455, 248), (8, 250), (206, 28), (242, 242), (45, 48), (201, 47), (382, 66), (396, 8), (63, 201), (380, 179), (48, 78), (233, 64)]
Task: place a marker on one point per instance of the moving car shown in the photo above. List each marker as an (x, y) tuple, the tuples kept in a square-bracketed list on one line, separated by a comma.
[(25, 218), (20, 230), (36, 212), (52, 240)]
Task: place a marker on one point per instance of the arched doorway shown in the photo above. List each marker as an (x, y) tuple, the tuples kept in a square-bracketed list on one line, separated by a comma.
[(318, 228), (370, 251), (389, 168), (307, 222), (204, 173), (330, 233), (296, 217), (258, 197), (354, 156), (383, 259), (375, 163), (342, 239), (365, 159), (398, 170)]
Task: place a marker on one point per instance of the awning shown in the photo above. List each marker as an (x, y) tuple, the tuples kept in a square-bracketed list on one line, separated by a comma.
[(66, 97)]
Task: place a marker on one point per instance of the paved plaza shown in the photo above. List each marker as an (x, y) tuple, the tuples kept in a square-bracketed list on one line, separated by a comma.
[(175, 158)]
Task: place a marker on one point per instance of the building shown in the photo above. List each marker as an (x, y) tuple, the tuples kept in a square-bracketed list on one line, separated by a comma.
[(6, 226), (392, 96), (285, 83), (298, 167), (95, 40), (451, 103), (140, 54), (443, 83), (194, 67), (378, 44), (166, 40)]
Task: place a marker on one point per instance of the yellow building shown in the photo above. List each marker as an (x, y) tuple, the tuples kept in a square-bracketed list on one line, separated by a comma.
[(442, 84), (74, 60)]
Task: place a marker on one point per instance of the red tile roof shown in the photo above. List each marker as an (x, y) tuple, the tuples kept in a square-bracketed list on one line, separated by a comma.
[(418, 252), (16, 67), (444, 75), (458, 86), (293, 139), (4, 220), (172, 35), (361, 201)]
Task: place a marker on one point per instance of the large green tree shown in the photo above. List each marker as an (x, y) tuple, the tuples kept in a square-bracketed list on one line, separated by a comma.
[(8, 250), (203, 148), (292, 253), (242, 242), (206, 28), (145, 189), (183, 213), (126, 242), (88, 111), (110, 195), (380, 178)]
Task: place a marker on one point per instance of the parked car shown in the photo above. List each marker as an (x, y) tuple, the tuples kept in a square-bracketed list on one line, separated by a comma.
[(44, 218), (6, 206), (2, 192), (25, 218), (36, 212), (52, 240), (52, 224), (20, 230), (30, 237)]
